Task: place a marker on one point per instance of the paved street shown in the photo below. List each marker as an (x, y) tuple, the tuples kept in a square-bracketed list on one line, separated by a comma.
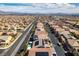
[(59, 50), (16, 46)]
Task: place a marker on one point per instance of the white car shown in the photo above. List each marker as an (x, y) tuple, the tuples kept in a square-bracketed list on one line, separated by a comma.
[(29, 47)]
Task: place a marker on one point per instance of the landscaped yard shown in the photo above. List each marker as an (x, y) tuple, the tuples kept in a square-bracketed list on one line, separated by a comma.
[(75, 35)]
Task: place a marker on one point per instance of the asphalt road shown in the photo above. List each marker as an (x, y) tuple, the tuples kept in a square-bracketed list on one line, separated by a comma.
[(16, 46), (59, 50)]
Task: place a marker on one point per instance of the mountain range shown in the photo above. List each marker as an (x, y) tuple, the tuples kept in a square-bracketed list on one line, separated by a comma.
[(18, 13)]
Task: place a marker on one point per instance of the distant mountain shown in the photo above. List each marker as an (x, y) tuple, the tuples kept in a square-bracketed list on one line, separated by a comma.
[(2, 12), (53, 14)]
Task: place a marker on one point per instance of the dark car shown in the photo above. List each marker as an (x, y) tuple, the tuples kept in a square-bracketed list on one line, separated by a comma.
[(58, 44)]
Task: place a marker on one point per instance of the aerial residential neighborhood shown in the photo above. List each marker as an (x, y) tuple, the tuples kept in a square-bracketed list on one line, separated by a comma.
[(39, 29), (11, 27)]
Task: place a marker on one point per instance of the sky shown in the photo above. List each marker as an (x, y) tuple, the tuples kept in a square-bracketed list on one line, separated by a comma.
[(40, 7)]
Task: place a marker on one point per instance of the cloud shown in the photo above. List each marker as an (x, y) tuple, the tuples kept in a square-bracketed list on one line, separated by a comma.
[(40, 8), (54, 5)]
